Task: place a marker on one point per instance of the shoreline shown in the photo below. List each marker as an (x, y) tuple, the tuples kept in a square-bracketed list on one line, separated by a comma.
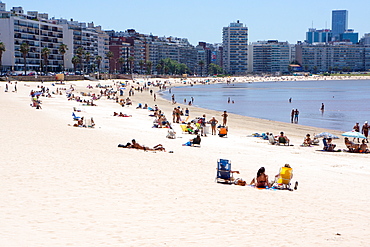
[(264, 122), (63, 185)]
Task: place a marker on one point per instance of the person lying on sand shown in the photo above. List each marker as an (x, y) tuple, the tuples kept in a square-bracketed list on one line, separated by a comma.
[(136, 145)]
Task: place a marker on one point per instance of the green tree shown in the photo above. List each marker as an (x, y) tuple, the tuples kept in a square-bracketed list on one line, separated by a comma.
[(24, 49), (141, 64), (2, 50), (80, 53), (110, 55), (62, 50), (315, 69), (87, 59), (75, 62), (149, 65), (214, 69), (166, 69), (158, 68), (131, 60), (201, 65), (98, 60), (45, 52), (121, 61)]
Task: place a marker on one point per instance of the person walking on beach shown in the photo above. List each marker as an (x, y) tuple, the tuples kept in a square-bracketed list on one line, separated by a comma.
[(173, 99), (224, 120), (322, 107), (290, 100), (365, 130), (292, 115), (296, 114)]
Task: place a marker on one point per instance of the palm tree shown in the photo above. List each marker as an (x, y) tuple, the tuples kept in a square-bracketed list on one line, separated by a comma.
[(166, 69), (87, 59), (62, 50), (162, 63), (158, 68), (131, 59), (2, 50), (121, 61), (80, 52), (98, 60), (201, 64), (75, 61), (110, 55), (24, 49), (149, 65), (45, 56), (141, 64)]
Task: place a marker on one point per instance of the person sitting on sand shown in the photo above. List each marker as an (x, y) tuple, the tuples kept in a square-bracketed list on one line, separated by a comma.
[(352, 147), (80, 123), (193, 141), (222, 131), (282, 139), (331, 146), (307, 141), (363, 147), (262, 180), (189, 128), (272, 139)]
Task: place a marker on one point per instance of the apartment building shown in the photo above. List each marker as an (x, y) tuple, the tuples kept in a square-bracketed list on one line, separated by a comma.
[(270, 57), (17, 28), (339, 56), (235, 48), (39, 32)]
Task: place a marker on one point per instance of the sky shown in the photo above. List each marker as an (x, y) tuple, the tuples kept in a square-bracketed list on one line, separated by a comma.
[(203, 20)]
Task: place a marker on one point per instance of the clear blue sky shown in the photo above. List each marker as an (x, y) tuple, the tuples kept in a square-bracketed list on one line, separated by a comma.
[(202, 20)]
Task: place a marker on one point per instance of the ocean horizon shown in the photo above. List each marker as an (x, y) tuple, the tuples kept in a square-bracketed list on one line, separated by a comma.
[(346, 101)]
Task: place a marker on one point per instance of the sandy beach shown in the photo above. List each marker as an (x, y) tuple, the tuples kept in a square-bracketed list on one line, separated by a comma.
[(68, 186)]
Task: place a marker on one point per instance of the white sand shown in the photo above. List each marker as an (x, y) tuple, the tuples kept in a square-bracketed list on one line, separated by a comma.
[(67, 186)]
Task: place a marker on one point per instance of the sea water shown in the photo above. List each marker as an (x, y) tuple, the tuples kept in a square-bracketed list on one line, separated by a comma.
[(346, 101)]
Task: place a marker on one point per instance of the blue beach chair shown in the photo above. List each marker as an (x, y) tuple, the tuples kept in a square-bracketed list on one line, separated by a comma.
[(75, 117), (224, 173)]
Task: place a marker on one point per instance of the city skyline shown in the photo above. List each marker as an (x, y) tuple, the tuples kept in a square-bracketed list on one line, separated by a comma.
[(201, 21)]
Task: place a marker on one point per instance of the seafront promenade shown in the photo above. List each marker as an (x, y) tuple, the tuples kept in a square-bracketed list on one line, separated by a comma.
[(63, 185)]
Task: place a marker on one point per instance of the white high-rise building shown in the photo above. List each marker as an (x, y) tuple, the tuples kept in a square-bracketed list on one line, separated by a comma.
[(235, 48)]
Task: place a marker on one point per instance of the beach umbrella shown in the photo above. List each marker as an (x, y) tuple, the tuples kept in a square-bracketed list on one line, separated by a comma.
[(326, 135), (354, 134)]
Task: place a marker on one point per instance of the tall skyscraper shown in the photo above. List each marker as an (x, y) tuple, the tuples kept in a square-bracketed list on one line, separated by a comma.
[(235, 48), (339, 23)]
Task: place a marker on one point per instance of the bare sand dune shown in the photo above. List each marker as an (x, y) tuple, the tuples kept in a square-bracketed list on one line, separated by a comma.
[(67, 186)]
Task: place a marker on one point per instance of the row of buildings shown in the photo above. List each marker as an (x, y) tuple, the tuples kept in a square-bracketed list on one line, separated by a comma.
[(130, 51)]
